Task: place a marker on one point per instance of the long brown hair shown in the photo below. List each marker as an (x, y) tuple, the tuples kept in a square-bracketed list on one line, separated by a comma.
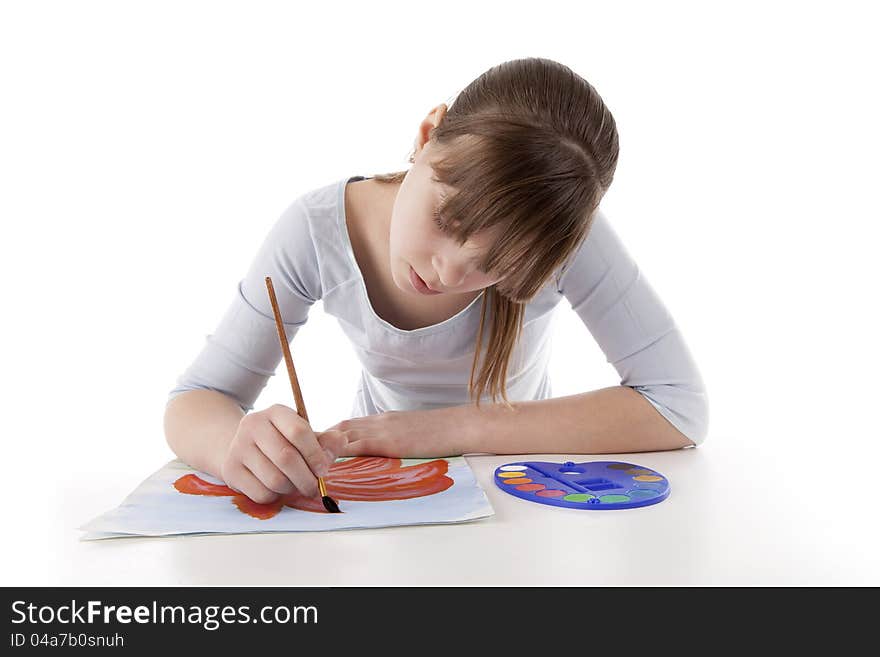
[(530, 145)]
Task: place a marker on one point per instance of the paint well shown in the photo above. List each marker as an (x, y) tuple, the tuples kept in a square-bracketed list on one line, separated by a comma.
[(620, 466), (578, 497), (512, 468), (551, 492), (639, 471), (518, 480), (510, 474), (638, 494), (613, 499), (648, 478), (531, 487)]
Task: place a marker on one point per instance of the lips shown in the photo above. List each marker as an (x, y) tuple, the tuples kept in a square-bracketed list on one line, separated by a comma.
[(419, 284)]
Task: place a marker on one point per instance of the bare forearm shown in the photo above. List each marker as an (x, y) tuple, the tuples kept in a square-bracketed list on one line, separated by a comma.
[(610, 420), (199, 425)]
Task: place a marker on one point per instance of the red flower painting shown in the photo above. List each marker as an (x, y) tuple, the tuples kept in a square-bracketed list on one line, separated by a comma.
[(361, 479)]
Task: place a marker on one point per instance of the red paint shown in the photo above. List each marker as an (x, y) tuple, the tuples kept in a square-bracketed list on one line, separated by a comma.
[(550, 493), (260, 511), (361, 479), (531, 487), (193, 485)]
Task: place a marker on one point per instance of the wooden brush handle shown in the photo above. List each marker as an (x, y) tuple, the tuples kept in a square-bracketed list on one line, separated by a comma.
[(282, 336)]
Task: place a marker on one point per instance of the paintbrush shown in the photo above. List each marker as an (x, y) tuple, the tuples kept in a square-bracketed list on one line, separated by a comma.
[(329, 503)]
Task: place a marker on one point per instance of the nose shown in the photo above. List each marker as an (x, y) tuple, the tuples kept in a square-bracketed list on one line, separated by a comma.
[(451, 271)]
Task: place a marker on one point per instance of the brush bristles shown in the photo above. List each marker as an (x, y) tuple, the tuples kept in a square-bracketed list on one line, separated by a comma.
[(329, 503)]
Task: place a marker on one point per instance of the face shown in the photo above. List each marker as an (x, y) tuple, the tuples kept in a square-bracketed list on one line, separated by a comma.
[(417, 242)]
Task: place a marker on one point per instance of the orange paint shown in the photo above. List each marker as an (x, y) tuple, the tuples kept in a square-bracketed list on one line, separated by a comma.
[(531, 487), (260, 511), (362, 479), (194, 485), (518, 480)]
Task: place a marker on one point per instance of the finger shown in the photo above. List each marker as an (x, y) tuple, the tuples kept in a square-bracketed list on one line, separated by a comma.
[(350, 449), (298, 433), (267, 472), (368, 447), (244, 481), (287, 458), (334, 443)]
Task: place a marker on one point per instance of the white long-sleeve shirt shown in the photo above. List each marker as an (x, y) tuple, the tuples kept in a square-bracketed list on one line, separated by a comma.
[(309, 256)]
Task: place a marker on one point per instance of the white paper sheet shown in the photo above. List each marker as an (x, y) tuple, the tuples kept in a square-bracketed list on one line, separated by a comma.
[(177, 499)]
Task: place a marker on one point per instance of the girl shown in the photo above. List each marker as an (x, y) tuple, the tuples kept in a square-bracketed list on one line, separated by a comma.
[(445, 277)]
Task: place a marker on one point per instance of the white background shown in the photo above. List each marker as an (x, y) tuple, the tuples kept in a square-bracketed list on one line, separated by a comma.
[(146, 148)]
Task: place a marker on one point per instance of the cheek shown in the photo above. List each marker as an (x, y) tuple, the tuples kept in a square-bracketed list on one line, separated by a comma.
[(397, 235), (409, 237), (406, 246), (400, 240)]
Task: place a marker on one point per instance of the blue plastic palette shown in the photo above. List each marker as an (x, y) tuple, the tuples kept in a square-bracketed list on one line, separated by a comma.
[(592, 485)]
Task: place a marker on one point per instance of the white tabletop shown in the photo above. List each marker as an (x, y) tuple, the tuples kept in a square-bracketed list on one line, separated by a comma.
[(738, 514)]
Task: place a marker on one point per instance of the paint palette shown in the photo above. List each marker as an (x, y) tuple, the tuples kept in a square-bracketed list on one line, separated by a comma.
[(593, 485)]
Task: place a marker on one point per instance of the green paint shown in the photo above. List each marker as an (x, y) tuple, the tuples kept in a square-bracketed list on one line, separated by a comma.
[(611, 499), (578, 497)]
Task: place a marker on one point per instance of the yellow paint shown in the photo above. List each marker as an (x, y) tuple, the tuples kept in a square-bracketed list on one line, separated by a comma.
[(510, 474), (648, 478)]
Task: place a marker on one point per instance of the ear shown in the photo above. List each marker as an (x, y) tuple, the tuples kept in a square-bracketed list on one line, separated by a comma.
[(431, 121)]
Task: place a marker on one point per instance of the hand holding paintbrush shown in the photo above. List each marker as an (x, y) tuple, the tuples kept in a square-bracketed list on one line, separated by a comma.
[(329, 502), (274, 451)]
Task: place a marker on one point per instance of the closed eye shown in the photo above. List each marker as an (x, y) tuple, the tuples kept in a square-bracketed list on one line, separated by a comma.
[(444, 227), (439, 221)]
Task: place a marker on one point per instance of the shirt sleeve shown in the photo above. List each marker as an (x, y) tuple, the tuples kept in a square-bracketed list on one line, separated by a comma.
[(241, 354), (633, 328)]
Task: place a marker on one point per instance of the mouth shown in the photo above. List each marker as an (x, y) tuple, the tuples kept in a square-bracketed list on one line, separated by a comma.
[(418, 284)]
